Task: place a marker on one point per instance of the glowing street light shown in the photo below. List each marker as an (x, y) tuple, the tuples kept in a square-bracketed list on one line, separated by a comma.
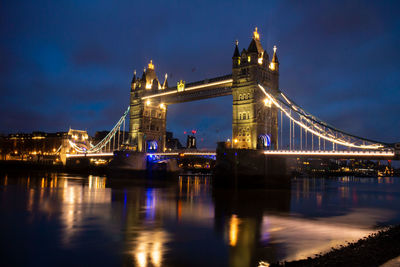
[(267, 102)]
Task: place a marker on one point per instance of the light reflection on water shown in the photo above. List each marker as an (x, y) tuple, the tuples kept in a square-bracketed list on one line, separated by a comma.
[(104, 221)]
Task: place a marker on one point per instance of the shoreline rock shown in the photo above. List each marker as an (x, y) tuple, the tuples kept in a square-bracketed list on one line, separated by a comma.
[(373, 250)]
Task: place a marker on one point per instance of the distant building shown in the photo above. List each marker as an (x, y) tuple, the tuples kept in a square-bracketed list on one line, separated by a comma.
[(172, 143), (191, 142), (26, 146)]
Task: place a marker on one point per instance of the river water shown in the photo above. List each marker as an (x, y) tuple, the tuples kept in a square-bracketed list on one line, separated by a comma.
[(61, 219)]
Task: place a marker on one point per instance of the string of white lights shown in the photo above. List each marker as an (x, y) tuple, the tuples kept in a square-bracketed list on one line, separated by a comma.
[(110, 135), (322, 135), (328, 129), (331, 153), (59, 149), (76, 147)]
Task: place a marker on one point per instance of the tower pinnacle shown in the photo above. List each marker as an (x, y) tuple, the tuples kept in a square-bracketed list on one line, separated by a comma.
[(236, 53), (256, 35), (275, 57), (274, 65), (151, 66)]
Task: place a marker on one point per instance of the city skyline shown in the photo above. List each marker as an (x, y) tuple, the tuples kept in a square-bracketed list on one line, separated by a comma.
[(70, 64)]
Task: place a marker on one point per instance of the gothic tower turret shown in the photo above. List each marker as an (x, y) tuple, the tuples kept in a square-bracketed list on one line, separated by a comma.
[(133, 82), (236, 55), (254, 120), (147, 124)]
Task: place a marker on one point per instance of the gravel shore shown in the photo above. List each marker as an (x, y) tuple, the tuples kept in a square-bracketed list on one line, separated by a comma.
[(373, 250)]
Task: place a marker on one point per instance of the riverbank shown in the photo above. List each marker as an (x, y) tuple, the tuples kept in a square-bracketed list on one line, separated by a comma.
[(373, 250)]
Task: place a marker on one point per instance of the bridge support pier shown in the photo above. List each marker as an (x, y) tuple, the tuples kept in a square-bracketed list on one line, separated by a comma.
[(242, 168)]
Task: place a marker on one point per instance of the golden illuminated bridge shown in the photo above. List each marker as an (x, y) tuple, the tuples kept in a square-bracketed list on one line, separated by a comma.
[(264, 118)]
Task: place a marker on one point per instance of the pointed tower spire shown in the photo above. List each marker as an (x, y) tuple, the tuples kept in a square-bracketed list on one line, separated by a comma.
[(236, 55), (275, 57), (165, 84), (144, 74), (134, 76), (265, 57), (236, 52), (133, 82), (255, 45), (274, 65)]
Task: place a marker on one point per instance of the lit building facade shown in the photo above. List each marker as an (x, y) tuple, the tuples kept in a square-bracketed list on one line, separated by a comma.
[(255, 120), (31, 146), (147, 124)]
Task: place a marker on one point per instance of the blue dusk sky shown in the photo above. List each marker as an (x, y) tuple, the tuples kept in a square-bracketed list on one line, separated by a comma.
[(69, 63)]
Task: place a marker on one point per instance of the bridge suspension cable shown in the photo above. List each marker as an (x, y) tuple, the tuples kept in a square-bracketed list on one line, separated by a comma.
[(106, 141), (317, 127), (111, 135)]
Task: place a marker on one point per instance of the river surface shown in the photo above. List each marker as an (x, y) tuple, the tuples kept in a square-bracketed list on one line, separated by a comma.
[(60, 219)]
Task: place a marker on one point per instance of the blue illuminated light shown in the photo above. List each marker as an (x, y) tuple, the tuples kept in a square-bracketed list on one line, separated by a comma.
[(265, 140), (152, 146)]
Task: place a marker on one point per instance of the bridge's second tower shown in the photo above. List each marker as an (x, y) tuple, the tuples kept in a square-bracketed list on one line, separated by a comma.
[(254, 121), (147, 122)]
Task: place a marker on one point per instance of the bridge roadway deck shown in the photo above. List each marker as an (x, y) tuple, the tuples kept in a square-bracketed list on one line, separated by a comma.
[(371, 155)]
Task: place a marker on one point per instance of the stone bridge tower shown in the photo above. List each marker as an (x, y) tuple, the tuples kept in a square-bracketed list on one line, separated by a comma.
[(147, 120), (255, 120)]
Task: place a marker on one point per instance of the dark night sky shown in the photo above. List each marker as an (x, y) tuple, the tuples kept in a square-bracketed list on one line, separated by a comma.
[(70, 63)]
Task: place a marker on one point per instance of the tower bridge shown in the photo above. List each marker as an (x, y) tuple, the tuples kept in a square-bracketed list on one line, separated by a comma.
[(252, 118), (264, 118)]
